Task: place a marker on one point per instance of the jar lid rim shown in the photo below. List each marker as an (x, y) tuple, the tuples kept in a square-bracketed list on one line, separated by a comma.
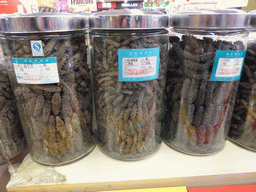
[(43, 22), (129, 19), (210, 18)]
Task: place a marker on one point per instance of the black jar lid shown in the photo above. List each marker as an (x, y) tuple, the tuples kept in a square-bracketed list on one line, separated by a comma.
[(129, 19), (45, 22), (211, 18)]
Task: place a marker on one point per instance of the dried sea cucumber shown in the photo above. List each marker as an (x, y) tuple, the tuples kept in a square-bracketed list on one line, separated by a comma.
[(128, 114), (198, 110), (243, 129), (11, 134), (56, 128)]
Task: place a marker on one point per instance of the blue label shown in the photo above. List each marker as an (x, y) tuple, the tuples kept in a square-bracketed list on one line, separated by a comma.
[(228, 65), (138, 64), (34, 61), (37, 47)]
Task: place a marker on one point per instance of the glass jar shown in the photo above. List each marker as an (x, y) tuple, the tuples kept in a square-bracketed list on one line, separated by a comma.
[(52, 84), (130, 51), (207, 49), (243, 125), (11, 134)]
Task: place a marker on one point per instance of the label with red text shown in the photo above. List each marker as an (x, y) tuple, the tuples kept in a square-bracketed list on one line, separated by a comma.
[(138, 64), (228, 65), (36, 70)]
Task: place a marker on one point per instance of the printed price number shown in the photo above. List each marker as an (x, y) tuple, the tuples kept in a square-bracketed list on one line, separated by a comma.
[(139, 72), (229, 71), (146, 61)]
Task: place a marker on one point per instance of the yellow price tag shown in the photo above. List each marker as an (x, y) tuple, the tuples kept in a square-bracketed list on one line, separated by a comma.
[(162, 189)]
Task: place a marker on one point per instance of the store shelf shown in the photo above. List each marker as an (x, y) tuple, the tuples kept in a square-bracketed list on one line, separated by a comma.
[(168, 168)]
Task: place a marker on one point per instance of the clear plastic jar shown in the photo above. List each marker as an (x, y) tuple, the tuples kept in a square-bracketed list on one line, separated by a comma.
[(207, 49), (52, 84), (243, 125), (129, 67)]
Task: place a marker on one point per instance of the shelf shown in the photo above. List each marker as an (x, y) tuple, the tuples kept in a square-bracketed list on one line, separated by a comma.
[(167, 168)]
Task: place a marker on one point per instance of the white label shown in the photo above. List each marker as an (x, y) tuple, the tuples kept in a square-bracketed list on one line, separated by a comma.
[(139, 67), (36, 71), (37, 48), (229, 67)]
